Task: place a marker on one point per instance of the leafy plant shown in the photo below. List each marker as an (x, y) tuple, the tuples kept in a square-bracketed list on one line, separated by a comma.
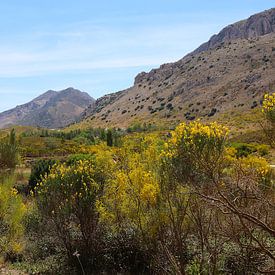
[(67, 197), (12, 211), (9, 152), (39, 170)]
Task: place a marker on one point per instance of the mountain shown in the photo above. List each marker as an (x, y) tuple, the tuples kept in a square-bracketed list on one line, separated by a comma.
[(256, 25), (225, 76), (50, 110)]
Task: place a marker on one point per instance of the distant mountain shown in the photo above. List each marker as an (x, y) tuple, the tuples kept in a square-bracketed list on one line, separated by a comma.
[(227, 75), (50, 110)]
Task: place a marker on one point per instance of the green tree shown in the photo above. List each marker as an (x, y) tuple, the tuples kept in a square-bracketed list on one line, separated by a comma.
[(12, 137), (39, 170), (109, 138), (9, 152)]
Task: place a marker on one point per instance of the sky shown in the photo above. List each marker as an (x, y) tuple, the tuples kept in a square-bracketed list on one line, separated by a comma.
[(99, 46)]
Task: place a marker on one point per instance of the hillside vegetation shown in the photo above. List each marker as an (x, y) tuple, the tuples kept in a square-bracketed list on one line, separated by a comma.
[(141, 201)]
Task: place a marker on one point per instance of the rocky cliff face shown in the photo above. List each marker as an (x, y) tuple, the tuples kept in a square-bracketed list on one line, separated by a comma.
[(51, 110), (255, 26)]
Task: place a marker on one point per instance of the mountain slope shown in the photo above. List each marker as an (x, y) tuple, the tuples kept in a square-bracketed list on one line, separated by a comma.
[(255, 26), (227, 75), (51, 110)]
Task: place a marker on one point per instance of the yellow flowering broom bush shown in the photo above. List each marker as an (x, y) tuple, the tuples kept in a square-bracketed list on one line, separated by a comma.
[(191, 158), (132, 194), (251, 173), (12, 211), (269, 106), (194, 152), (67, 197), (197, 164), (130, 207), (268, 110)]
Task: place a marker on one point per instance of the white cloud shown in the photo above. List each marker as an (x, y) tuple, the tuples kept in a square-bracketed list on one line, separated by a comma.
[(88, 47)]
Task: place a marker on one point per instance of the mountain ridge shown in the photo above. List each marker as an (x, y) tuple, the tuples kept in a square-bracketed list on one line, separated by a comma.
[(52, 109), (228, 73), (256, 25)]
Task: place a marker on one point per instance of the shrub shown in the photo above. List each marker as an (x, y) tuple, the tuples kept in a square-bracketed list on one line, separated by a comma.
[(212, 112), (67, 198), (245, 149), (12, 211), (269, 107), (268, 110), (199, 147), (73, 159), (8, 156), (109, 138), (39, 170), (9, 152)]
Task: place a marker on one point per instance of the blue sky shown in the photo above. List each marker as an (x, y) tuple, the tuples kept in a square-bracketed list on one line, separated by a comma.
[(99, 46)]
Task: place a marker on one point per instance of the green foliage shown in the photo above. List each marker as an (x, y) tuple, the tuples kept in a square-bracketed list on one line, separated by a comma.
[(43, 252), (9, 152), (109, 138), (67, 197), (245, 149), (268, 110), (238, 261), (39, 170), (12, 138), (179, 203), (52, 143), (54, 264), (139, 127), (12, 211), (193, 268), (73, 159)]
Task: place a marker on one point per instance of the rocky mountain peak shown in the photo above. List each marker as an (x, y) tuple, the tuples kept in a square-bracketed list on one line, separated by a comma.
[(255, 26), (52, 109)]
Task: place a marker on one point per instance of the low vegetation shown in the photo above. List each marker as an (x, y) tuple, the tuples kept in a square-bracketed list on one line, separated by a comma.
[(140, 201)]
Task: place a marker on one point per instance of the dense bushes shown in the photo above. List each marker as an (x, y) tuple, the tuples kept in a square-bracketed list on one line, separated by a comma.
[(50, 143), (181, 204), (185, 202), (72, 159), (245, 149)]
